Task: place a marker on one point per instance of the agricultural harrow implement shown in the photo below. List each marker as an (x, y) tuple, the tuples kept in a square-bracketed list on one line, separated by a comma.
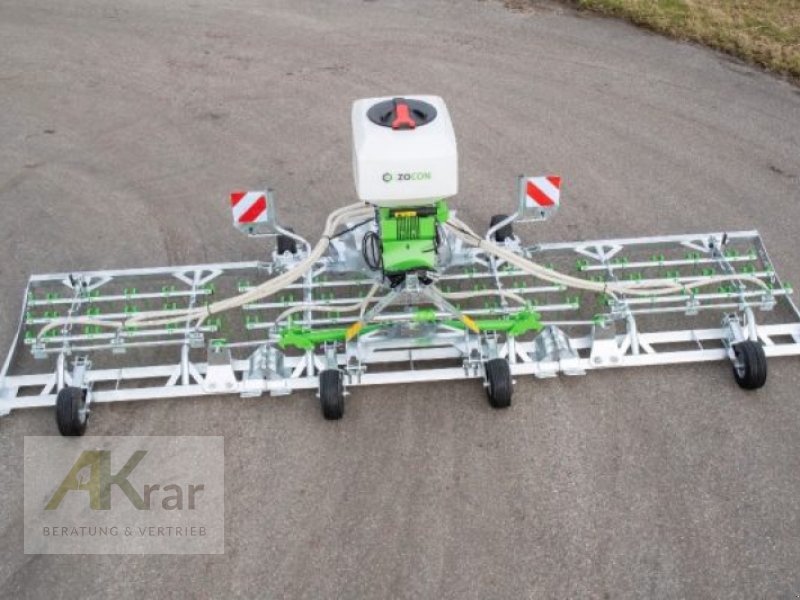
[(398, 290)]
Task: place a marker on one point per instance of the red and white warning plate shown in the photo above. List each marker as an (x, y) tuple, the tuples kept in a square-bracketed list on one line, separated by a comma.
[(543, 192), (249, 207)]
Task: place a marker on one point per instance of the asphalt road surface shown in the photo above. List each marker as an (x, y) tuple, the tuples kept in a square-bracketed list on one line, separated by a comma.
[(124, 125)]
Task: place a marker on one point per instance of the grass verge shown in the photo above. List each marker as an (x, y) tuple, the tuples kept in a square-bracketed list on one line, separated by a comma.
[(765, 32)]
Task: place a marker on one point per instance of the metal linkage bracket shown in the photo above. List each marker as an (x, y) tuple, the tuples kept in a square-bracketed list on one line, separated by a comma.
[(739, 330), (354, 353), (553, 350), (474, 351), (78, 378), (605, 349), (220, 376), (266, 363)]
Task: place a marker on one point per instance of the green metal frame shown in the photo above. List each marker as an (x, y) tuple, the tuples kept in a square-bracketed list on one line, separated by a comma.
[(408, 236), (515, 325)]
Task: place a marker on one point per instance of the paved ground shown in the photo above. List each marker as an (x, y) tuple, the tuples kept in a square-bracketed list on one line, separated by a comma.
[(123, 125)]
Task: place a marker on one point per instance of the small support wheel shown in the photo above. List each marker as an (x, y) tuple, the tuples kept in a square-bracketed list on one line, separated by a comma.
[(331, 394), (506, 231), (750, 366), (71, 411), (287, 244), (498, 378)]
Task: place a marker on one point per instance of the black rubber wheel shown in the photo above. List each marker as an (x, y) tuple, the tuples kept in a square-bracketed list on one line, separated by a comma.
[(287, 244), (498, 376), (750, 369), (71, 413), (506, 231), (331, 394)]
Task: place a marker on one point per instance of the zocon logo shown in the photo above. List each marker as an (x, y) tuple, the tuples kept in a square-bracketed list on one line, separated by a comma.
[(418, 176), (100, 479)]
